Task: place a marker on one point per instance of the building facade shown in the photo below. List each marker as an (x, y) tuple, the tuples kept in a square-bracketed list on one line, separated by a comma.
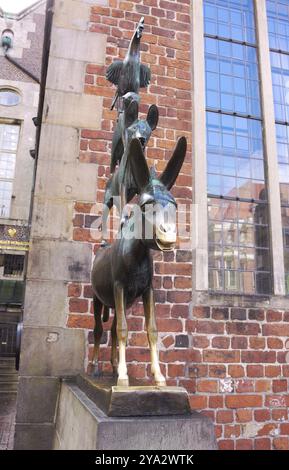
[(20, 70), (219, 77)]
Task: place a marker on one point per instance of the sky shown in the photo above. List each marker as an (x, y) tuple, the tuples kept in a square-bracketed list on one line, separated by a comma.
[(15, 6)]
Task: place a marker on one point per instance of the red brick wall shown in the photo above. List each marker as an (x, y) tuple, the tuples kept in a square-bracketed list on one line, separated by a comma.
[(242, 375), (231, 360)]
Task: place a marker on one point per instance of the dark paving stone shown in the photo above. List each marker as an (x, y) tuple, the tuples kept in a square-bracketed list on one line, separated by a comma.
[(7, 420)]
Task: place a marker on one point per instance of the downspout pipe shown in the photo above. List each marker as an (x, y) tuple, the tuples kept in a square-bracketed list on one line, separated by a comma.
[(38, 120)]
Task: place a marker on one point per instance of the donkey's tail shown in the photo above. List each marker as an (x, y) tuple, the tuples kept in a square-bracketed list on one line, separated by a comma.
[(105, 314), (98, 309)]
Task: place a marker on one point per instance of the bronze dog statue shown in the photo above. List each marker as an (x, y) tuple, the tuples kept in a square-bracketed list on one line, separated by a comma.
[(118, 139), (121, 186)]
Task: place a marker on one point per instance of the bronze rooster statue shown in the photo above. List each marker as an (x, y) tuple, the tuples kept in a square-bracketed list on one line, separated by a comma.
[(129, 75)]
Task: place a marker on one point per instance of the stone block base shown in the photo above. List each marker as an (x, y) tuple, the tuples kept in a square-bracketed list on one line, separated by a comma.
[(81, 425)]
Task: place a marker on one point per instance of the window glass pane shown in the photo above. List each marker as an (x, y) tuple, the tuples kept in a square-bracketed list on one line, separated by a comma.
[(5, 198), (9, 135), (247, 282), (230, 210), (280, 77), (278, 19), (215, 232), (263, 260), (240, 249), (231, 281), (232, 144), (234, 20), (7, 165), (215, 256), (232, 76), (239, 255), (247, 259), (215, 210), (9, 97), (214, 184), (231, 257), (263, 282), (216, 280), (229, 233)]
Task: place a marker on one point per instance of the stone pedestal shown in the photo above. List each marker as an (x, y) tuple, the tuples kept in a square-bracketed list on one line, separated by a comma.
[(82, 423), (135, 400)]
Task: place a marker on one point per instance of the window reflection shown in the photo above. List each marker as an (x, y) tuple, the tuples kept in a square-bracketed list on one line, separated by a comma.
[(231, 280), (234, 85), (278, 24), (247, 282), (216, 280), (280, 78), (230, 233), (237, 208), (239, 244), (232, 20)]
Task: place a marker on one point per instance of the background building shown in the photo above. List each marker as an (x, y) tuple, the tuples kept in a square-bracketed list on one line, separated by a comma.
[(219, 76), (21, 46)]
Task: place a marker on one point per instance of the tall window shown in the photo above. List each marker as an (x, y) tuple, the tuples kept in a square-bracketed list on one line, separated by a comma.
[(239, 256), (278, 26), (9, 135)]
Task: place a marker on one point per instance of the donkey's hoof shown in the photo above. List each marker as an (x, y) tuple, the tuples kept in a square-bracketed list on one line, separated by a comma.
[(161, 383), (122, 382), (160, 380)]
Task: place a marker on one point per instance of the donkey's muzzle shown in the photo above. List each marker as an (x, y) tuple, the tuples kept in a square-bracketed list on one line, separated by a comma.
[(166, 237)]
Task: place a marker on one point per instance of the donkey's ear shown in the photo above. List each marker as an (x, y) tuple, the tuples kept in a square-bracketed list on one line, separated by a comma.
[(174, 165), (138, 164), (153, 117), (131, 114)]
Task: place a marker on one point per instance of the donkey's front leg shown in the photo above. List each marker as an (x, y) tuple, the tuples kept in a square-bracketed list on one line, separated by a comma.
[(149, 310), (121, 328)]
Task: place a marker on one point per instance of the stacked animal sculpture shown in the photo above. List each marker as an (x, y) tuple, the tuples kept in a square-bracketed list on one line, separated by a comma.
[(122, 271), (121, 187)]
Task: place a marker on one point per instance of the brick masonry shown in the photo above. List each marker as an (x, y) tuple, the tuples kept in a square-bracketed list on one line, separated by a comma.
[(233, 361)]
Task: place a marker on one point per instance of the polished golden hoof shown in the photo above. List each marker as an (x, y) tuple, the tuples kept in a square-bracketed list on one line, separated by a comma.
[(122, 383), (161, 383)]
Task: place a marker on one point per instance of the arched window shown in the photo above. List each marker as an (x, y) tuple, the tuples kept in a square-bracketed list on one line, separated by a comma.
[(9, 97)]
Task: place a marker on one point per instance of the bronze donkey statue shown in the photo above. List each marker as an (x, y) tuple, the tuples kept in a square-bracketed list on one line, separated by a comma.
[(122, 272)]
